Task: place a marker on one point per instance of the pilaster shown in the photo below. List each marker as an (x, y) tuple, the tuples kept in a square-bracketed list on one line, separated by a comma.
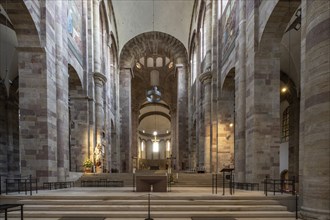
[(205, 140), (96, 36), (37, 122), (99, 80), (61, 99), (240, 98), (126, 119)]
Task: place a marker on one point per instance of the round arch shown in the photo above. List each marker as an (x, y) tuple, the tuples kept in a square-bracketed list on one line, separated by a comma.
[(152, 43), (27, 34)]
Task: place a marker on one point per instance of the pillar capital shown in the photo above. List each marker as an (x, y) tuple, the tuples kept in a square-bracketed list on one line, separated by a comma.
[(99, 78), (179, 65), (205, 77)]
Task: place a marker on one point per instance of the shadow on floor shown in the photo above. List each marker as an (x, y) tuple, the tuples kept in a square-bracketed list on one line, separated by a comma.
[(80, 218), (201, 218)]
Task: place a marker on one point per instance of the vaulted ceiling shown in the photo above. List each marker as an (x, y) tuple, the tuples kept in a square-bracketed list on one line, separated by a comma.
[(134, 17)]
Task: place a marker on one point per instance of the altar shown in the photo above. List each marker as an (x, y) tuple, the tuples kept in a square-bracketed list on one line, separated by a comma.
[(151, 183)]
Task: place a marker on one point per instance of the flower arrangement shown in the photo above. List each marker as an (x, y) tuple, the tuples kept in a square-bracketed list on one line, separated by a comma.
[(88, 163)]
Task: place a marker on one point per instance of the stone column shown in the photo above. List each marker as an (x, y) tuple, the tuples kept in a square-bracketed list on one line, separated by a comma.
[(96, 36), (240, 98), (182, 117), (126, 119), (316, 102), (215, 72), (208, 36), (61, 99), (174, 143), (206, 123), (99, 80)]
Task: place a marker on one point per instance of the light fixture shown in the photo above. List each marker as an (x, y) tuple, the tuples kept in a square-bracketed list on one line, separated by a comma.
[(155, 133), (284, 89), (144, 131), (170, 65), (231, 125), (138, 65), (153, 95), (296, 24)]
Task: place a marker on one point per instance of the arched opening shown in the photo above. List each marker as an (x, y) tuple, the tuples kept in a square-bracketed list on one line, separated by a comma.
[(289, 126), (154, 128), (226, 123), (78, 151), (263, 116), (290, 67), (9, 97), (153, 68)]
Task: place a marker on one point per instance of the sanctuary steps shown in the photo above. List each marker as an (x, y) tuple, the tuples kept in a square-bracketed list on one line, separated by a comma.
[(102, 203)]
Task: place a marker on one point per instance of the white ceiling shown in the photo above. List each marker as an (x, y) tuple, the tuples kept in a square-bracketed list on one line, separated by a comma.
[(134, 17)]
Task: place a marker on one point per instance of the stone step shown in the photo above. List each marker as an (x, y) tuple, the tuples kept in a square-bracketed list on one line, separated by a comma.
[(155, 202), (125, 207), (217, 218), (156, 214)]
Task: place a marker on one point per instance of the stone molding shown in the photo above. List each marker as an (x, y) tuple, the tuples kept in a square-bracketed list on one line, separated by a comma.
[(31, 49), (179, 65), (99, 78), (206, 77)]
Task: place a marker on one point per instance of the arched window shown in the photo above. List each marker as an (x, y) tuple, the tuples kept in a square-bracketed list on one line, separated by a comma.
[(202, 38), (168, 148), (193, 64), (150, 62), (159, 62), (285, 125), (155, 147), (204, 35)]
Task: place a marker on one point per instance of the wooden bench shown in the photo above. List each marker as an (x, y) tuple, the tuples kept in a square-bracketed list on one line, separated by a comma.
[(5, 208)]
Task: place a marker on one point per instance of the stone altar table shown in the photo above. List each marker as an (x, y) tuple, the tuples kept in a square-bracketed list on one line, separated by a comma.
[(151, 183)]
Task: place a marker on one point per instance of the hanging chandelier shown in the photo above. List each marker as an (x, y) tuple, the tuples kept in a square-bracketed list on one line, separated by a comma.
[(154, 95)]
